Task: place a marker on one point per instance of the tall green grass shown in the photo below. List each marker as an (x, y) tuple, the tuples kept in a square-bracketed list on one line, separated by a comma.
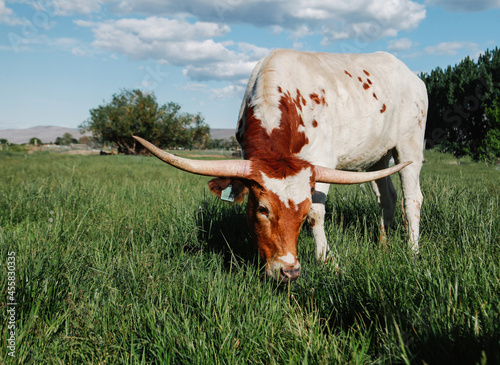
[(123, 259)]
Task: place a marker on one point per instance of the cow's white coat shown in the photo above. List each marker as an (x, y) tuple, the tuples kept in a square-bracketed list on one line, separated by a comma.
[(374, 107), (294, 188)]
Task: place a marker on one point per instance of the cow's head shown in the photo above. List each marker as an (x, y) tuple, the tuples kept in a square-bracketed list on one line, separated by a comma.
[(276, 209), (279, 198)]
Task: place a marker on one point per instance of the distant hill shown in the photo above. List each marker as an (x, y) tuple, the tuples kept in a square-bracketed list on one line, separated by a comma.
[(49, 134), (222, 133), (46, 134)]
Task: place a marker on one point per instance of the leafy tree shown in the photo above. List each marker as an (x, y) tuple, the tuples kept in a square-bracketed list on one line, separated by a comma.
[(458, 99), (490, 148), (65, 140), (135, 112), (3, 141), (36, 141), (86, 140)]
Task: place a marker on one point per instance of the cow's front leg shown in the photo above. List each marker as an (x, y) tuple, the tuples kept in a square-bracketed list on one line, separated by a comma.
[(316, 219)]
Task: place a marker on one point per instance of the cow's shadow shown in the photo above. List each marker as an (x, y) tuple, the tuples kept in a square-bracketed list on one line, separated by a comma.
[(223, 229)]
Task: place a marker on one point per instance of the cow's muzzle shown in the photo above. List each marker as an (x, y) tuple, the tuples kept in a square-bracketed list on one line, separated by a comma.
[(282, 272), (290, 274)]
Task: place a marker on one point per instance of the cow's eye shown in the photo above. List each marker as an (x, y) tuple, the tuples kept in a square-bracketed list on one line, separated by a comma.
[(263, 210)]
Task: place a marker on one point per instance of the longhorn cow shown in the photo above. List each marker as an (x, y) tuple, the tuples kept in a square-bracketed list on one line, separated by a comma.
[(304, 118)]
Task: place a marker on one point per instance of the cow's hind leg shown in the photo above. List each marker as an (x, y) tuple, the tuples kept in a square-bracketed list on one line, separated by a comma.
[(316, 219), (410, 184), (386, 197)]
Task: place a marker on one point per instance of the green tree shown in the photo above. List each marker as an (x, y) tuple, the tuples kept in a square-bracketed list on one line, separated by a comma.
[(135, 112), (490, 148), (458, 99), (86, 140), (65, 140), (36, 141)]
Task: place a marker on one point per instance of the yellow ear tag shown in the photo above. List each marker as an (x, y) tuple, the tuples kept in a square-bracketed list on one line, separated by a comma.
[(227, 194)]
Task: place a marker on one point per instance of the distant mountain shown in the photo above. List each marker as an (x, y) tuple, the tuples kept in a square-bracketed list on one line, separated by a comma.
[(46, 134), (49, 134), (222, 133)]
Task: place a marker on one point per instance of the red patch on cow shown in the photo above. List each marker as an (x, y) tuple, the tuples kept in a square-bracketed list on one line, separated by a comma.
[(375, 96), (314, 123), (299, 100), (366, 73), (366, 86), (280, 90), (347, 73), (275, 153), (360, 79), (317, 99), (369, 81), (384, 108)]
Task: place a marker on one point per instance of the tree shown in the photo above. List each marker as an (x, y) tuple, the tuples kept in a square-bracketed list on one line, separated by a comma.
[(490, 149), (458, 99), (35, 141), (86, 140), (66, 140), (133, 112)]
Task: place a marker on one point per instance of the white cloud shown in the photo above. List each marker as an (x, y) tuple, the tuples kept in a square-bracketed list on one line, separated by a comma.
[(167, 33), (335, 20), (466, 5), (231, 91), (7, 15), (68, 7), (449, 48), (178, 42), (232, 70), (174, 41), (193, 86), (29, 44), (397, 45), (85, 51), (371, 20)]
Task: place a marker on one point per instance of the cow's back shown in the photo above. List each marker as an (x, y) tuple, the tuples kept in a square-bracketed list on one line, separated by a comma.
[(351, 108)]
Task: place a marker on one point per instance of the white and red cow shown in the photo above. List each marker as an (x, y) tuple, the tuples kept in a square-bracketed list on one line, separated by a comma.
[(304, 118)]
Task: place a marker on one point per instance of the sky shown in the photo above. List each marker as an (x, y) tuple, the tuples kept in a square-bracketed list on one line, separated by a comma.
[(61, 58)]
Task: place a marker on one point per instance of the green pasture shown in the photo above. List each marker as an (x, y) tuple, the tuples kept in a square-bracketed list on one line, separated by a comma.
[(125, 260)]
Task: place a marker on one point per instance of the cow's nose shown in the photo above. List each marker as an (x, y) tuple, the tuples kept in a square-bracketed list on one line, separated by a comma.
[(290, 274)]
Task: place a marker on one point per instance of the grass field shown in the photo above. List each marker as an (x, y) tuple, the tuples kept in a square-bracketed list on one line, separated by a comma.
[(123, 259)]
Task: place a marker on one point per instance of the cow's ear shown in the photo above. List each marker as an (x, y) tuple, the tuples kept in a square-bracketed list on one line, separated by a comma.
[(237, 191)]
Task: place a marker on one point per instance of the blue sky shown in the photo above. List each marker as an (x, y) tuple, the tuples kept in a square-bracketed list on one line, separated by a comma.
[(60, 58)]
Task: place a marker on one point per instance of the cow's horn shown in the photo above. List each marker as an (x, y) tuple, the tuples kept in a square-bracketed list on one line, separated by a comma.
[(220, 168), (332, 176)]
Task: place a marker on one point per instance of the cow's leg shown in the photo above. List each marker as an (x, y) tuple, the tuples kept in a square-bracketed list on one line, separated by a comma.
[(386, 197), (316, 218), (410, 184)]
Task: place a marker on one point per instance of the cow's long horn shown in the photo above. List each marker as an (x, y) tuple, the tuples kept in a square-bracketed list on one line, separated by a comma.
[(220, 168), (332, 176)]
